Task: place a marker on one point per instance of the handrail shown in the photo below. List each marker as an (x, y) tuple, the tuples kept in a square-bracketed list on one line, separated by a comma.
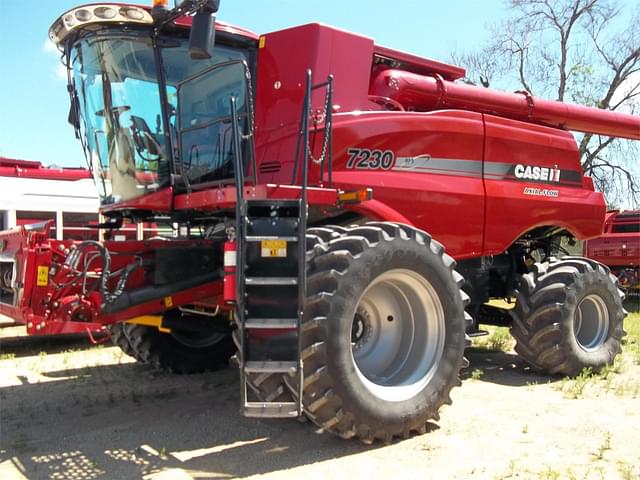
[(238, 167), (326, 155), (240, 236)]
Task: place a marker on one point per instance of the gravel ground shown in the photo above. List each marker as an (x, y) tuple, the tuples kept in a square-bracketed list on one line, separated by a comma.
[(71, 411)]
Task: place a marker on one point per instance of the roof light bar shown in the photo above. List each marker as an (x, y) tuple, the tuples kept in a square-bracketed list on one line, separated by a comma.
[(97, 15)]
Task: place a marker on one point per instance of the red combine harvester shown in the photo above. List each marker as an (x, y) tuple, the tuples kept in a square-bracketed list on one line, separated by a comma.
[(619, 249), (304, 210)]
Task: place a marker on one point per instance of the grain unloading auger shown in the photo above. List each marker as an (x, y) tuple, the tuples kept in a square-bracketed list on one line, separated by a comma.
[(426, 93), (301, 214)]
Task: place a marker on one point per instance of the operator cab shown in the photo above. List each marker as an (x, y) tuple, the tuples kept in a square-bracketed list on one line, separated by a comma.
[(149, 115)]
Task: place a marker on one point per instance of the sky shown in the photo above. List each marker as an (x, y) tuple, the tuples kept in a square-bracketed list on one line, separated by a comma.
[(33, 98)]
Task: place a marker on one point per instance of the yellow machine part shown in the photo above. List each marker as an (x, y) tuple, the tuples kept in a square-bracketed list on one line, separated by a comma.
[(150, 321)]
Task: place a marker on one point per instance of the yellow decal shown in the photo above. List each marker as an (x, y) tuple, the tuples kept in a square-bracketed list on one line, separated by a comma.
[(168, 302), (261, 42), (273, 248), (42, 280)]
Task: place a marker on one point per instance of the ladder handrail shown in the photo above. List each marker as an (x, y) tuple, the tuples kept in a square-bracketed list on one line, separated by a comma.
[(238, 167), (303, 132), (244, 215), (238, 171), (305, 136)]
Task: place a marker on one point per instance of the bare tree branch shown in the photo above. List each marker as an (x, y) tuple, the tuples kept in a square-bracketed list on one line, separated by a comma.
[(586, 51)]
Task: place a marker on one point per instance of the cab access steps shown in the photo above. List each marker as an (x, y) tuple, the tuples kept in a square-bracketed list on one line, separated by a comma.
[(271, 270), (271, 259)]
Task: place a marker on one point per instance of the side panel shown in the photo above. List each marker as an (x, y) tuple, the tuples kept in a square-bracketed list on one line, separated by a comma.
[(283, 60), (427, 166), (533, 178), (20, 286)]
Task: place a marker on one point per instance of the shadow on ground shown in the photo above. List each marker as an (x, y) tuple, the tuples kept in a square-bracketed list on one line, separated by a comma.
[(503, 368), (130, 421), (22, 346)]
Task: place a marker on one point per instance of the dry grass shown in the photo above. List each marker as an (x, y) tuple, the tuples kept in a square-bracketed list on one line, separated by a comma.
[(499, 338), (621, 379)]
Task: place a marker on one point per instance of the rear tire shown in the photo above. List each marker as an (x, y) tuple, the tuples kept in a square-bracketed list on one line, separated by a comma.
[(568, 316), (179, 352), (383, 334)]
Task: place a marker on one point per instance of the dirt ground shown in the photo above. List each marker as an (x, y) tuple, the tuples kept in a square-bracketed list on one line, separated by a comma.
[(72, 411)]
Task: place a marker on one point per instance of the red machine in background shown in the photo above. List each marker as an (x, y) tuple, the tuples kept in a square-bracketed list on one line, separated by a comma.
[(31, 193), (304, 210), (619, 248)]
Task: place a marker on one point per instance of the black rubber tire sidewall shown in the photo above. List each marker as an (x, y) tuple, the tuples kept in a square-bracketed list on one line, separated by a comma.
[(591, 284), (544, 316), (119, 339), (356, 397), (165, 352)]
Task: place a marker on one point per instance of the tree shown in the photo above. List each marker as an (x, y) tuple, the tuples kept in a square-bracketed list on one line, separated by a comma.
[(581, 51)]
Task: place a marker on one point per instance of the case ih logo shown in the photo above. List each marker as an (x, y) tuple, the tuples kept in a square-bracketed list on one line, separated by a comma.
[(528, 172)]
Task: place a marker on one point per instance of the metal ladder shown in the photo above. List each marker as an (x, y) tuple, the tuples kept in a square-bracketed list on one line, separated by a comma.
[(271, 270), (270, 289), (271, 281)]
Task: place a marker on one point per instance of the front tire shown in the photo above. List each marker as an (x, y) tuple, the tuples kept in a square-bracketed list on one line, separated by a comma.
[(383, 334), (180, 351), (119, 338), (568, 316)]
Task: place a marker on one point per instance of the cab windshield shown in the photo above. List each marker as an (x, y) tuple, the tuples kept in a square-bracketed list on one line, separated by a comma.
[(135, 134)]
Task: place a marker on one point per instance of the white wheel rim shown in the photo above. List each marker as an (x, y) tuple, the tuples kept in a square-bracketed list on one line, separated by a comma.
[(398, 335), (591, 323)]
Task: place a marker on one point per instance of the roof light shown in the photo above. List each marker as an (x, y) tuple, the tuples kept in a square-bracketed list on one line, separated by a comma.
[(104, 12), (83, 15), (96, 15), (132, 13), (69, 20), (159, 9)]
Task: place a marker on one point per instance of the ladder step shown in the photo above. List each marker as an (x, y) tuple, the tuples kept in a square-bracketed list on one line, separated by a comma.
[(258, 238), (270, 367), (271, 323), (271, 409), (478, 333), (271, 281)]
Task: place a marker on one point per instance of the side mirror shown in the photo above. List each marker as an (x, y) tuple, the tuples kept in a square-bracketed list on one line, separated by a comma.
[(72, 118), (203, 31)]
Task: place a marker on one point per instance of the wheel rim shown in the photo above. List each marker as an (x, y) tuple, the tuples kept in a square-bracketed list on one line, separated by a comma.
[(398, 335), (591, 323)]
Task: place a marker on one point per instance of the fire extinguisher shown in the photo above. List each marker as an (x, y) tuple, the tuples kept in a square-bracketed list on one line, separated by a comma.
[(229, 281)]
